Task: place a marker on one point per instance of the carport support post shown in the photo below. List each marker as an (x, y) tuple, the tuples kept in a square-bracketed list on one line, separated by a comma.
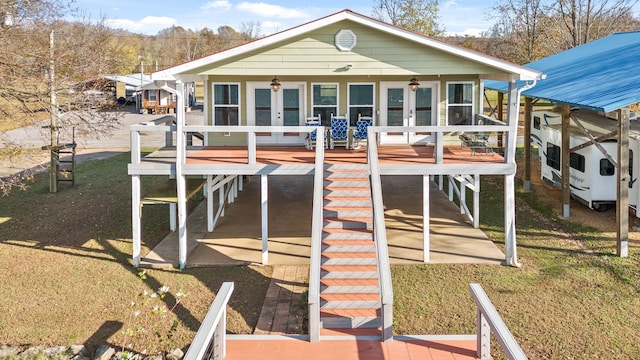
[(264, 191), (622, 203), (511, 256), (426, 182), (527, 144), (564, 160)]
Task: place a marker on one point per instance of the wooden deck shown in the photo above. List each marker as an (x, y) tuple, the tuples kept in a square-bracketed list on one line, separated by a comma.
[(389, 155), (352, 348)]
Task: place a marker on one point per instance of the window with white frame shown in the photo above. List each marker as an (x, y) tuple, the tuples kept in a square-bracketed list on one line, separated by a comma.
[(324, 100), (361, 101), (460, 103), (226, 104)]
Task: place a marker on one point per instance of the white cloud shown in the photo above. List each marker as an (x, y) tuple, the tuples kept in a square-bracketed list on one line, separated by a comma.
[(271, 11), (271, 26), (219, 4), (149, 25)]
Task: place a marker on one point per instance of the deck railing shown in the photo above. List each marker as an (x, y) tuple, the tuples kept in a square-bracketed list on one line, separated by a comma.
[(489, 321), (316, 241), (210, 340), (438, 134), (380, 239)]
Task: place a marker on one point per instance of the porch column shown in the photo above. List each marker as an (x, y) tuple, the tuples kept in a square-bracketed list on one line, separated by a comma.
[(426, 223), (528, 108), (136, 215), (564, 160), (622, 203), (476, 201), (509, 179), (181, 181), (205, 108), (264, 191)]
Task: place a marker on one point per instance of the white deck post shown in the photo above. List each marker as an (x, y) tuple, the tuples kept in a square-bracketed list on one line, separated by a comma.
[(264, 191), (172, 216), (221, 199), (463, 195), (511, 256), (476, 201), (426, 213), (136, 217), (181, 181), (209, 203)]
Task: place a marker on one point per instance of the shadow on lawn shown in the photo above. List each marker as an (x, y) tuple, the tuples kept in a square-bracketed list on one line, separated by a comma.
[(85, 231)]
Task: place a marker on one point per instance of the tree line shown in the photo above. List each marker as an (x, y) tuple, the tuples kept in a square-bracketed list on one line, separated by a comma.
[(45, 53)]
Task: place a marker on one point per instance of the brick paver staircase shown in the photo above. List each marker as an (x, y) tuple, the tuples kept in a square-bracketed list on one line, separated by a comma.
[(349, 291)]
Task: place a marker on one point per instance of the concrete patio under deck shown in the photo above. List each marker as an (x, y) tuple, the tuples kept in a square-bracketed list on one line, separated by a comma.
[(237, 237)]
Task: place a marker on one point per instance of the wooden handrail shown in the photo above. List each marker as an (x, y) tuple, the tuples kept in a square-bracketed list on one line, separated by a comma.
[(489, 321), (211, 336), (316, 241), (380, 237)]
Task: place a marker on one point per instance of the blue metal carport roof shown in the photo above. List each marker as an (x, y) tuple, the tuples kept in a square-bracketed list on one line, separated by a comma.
[(602, 75)]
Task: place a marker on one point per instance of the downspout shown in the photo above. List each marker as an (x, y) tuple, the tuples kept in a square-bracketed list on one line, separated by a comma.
[(181, 186), (509, 180)]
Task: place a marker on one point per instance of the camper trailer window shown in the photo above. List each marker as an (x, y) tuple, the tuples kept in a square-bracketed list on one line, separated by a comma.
[(536, 122), (630, 164), (553, 156), (576, 161), (606, 168)]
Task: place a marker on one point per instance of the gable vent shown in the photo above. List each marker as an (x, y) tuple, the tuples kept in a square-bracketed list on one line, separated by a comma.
[(345, 40)]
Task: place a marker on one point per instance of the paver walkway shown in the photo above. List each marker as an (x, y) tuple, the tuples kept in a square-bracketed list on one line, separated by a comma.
[(284, 305)]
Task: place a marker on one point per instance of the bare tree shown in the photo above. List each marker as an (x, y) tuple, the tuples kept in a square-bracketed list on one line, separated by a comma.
[(581, 21), (520, 29), (420, 16), (46, 66), (527, 30)]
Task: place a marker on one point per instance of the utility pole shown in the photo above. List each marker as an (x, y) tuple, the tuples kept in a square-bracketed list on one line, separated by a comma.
[(54, 126)]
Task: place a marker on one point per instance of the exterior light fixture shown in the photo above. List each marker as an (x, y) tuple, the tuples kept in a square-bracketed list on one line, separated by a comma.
[(275, 84), (413, 84)]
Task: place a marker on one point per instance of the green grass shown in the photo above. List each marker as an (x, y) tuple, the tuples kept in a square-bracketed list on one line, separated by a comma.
[(572, 298), (66, 275)]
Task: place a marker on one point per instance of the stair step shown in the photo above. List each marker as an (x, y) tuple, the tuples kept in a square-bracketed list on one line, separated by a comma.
[(349, 282), (334, 260), (349, 304), (346, 213), (334, 322), (369, 248), (361, 190), (336, 234), (347, 223), (339, 242), (368, 312), (337, 207), (346, 174), (357, 269), (347, 201), (347, 183), (348, 289)]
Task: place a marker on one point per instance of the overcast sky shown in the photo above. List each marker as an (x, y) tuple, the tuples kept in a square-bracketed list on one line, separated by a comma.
[(148, 17)]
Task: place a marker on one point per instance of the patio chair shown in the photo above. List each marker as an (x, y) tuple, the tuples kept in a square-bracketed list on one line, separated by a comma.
[(339, 132), (310, 140), (361, 130)]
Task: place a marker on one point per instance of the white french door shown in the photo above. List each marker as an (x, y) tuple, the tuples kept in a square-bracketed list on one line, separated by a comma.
[(284, 107), (399, 106)]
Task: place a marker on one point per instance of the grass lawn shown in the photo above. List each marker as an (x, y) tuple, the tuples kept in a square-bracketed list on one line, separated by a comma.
[(66, 277)]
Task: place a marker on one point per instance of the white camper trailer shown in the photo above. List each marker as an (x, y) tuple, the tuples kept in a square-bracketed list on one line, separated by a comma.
[(540, 119), (592, 176)]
